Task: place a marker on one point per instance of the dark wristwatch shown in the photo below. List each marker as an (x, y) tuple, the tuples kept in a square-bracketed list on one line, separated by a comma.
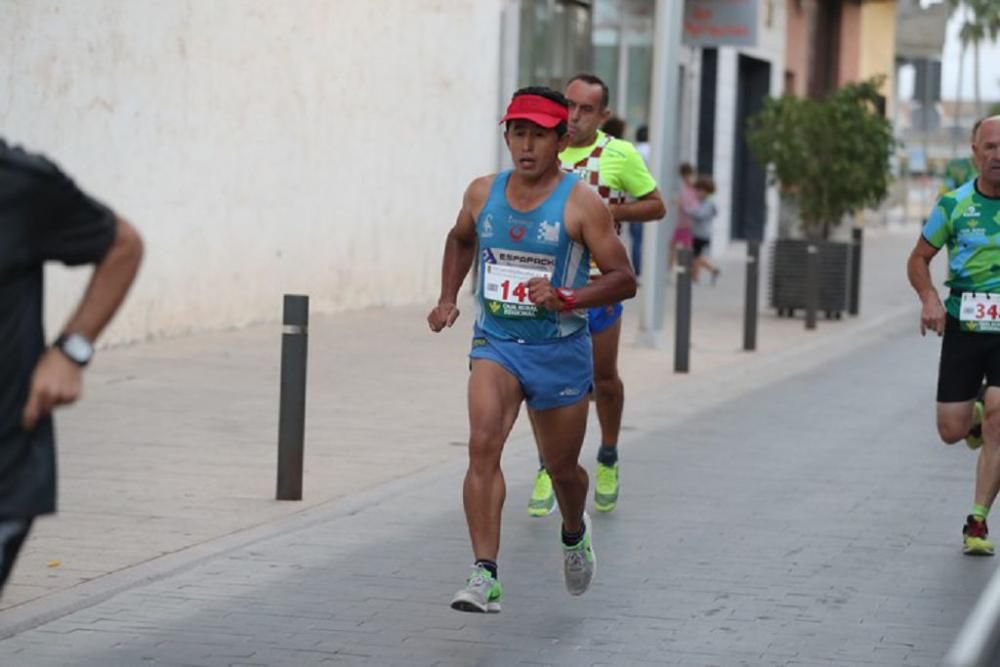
[(76, 347)]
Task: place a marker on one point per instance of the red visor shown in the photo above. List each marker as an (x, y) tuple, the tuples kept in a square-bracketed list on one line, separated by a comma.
[(539, 110)]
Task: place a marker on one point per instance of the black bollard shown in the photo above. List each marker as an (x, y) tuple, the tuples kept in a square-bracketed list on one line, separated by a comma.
[(853, 307), (812, 284), (682, 337), (292, 414), (750, 304)]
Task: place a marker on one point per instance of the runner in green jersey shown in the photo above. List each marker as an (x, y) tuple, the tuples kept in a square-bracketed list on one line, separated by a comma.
[(967, 221)]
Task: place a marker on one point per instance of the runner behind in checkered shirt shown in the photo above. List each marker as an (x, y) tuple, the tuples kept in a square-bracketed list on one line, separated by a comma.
[(616, 171)]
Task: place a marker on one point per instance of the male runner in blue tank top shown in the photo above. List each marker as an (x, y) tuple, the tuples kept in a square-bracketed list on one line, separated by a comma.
[(537, 229)]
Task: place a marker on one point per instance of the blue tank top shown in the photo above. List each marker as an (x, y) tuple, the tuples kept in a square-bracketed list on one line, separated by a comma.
[(516, 246)]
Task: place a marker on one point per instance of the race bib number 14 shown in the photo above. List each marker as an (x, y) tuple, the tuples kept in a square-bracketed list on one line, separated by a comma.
[(983, 310), (505, 288)]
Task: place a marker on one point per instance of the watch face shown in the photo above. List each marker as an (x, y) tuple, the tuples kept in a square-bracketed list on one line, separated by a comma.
[(78, 348)]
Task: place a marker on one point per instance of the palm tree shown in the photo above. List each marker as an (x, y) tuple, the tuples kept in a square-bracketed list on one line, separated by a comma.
[(983, 25)]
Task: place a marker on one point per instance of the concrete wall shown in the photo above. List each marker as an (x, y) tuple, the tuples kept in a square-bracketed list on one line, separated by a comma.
[(319, 146), (771, 48)]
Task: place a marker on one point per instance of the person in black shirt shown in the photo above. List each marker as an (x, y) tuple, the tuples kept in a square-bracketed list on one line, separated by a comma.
[(45, 217)]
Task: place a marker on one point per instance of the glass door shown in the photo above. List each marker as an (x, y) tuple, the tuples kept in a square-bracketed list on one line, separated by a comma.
[(623, 57), (555, 41)]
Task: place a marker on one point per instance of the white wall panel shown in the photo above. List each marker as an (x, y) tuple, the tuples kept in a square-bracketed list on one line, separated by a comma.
[(315, 146)]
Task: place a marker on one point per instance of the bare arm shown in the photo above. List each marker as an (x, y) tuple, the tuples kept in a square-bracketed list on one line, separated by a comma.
[(617, 281), (57, 380), (459, 251), (109, 284), (592, 225), (932, 314), (648, 208)]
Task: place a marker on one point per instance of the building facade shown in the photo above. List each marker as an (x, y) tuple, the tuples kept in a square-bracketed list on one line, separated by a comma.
[(322, 147)]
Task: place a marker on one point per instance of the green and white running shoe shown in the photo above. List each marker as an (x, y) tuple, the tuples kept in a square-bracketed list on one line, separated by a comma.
[(606, 488), (482, 593), (543, 498), (579, 562)]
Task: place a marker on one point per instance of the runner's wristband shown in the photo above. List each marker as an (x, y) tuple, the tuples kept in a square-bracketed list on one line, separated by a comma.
[(568, 297)]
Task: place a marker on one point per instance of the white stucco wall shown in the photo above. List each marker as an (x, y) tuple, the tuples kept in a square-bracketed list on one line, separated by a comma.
[(770, 48), (316, 146)]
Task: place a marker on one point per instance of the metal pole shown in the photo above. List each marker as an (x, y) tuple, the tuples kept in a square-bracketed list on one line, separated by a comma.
[(663, 132), (812, 284), (855, 301), (682, 336), (750, 302), (292, 415)]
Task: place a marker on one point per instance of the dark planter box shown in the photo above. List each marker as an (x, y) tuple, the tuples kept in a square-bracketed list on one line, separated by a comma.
[(788, 276)]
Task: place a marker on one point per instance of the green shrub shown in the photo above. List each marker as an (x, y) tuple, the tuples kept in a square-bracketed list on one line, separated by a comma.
[(831, 155)]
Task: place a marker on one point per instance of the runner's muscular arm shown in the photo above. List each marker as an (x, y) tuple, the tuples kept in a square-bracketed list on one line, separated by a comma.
[(932, 313), (589, 222), (647, 208), (459, 251)]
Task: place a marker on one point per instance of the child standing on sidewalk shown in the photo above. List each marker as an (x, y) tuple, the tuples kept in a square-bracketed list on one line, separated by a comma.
[(702, 218)]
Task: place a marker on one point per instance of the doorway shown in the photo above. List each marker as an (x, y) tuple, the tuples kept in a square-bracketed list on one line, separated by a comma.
[(749, 212)]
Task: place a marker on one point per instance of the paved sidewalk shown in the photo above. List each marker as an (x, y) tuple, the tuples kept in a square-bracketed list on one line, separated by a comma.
[(174, 447)]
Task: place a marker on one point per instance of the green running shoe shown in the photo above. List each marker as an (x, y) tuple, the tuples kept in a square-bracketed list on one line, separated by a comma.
[(543, 498), (975, 438), (482, 593), (976, 537), (606, 488), (579, 562)]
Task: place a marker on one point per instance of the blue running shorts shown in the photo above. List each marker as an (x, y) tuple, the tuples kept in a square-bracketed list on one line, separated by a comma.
[(602, 317), (553, 373)]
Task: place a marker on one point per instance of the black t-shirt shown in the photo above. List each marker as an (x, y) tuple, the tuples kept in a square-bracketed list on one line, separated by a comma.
[(43, 217)]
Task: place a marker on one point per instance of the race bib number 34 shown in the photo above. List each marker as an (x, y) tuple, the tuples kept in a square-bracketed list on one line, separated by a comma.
[(505, 288), (981, 309)]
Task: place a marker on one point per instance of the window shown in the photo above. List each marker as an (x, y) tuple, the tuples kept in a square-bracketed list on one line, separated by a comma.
[(555, 42)]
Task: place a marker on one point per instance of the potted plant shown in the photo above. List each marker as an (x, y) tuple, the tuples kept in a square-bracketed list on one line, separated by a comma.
[(832, 158)]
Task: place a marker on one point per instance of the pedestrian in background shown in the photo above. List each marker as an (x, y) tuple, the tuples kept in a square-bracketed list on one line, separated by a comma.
[(683, 236), (702, 219), (614, 127)]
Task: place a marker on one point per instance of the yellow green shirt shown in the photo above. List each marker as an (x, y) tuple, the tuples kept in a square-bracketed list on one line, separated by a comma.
[(620, 167)]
